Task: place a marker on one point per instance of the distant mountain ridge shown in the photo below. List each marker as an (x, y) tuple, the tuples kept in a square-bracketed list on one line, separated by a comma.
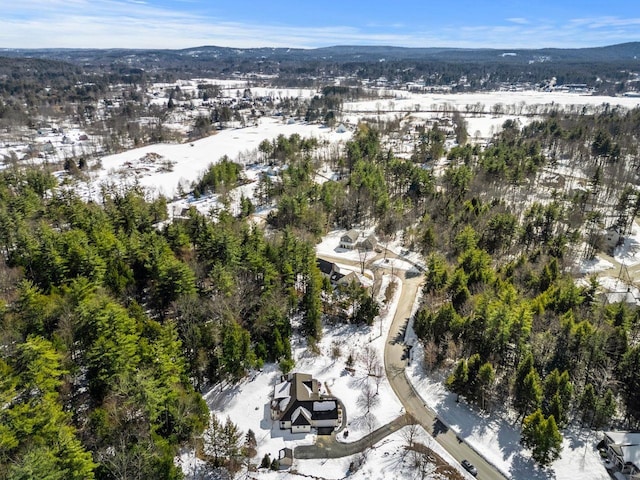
[(610, 70), (624, 52)]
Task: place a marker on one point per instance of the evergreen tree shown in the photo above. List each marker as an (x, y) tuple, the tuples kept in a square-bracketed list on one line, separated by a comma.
[(35, 432), (528, 396), (457, 381), (486, 377), (542, 437), (588, 403), (311, 303), (605, 410)]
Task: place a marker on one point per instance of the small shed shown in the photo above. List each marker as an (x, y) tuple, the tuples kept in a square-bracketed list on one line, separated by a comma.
[(285, 458)]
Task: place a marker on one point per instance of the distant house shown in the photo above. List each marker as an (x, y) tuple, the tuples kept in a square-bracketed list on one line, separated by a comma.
[(326, 267), (611, 238), (623, 450), (349, 239), (357, 278), (341, 128), (340, 276), (332, 271), (298, 405), (370, 243)]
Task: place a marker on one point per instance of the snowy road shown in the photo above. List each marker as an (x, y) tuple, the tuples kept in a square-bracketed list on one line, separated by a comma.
[(395, 367), (395, 363)]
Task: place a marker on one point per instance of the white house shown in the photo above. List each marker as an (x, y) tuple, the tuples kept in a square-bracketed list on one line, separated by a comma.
[(623, 449)]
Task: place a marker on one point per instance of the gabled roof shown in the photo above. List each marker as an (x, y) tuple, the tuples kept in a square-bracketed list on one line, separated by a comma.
[(304, 387), (351, 236), (371, 238), (305, 403), (301, 417), (325, 266), (354, 276)]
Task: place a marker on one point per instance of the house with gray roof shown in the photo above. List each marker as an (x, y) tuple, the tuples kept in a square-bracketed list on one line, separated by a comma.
[(298, 405)]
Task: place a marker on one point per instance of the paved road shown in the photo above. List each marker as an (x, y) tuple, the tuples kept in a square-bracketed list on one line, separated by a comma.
[(413, 404)]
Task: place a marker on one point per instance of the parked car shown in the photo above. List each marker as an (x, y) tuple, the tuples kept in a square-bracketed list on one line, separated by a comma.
[(469, 467)]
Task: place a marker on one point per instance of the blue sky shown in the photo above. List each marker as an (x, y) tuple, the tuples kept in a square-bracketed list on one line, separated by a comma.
[(288, 23)]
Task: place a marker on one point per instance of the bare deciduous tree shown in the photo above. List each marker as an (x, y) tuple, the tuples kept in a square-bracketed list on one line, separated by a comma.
[(368, 399)]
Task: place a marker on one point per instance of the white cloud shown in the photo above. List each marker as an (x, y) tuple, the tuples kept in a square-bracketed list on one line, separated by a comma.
[(518, 20), (138, 24)]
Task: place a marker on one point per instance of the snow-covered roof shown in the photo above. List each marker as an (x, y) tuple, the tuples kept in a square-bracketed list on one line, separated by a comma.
[(631, 454), (301, 416), (623, 438), (281, 390), (351, 236), (621, 297), (282, 405), (364, 280), (324, 406)]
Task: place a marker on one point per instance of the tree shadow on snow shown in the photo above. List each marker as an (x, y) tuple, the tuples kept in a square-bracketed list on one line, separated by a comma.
[(439, 428), (524, 467), (220, 395), (579, 438), (358, 382)]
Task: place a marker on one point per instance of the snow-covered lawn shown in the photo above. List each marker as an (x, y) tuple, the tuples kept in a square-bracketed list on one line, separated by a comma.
[(629, 252), (595, 265), (386, 460), (247, 403)]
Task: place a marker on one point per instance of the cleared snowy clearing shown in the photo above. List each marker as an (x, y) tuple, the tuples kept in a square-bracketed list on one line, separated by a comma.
[(180, 164)]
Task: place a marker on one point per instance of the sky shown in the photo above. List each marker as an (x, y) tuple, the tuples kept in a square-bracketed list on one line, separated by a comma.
[(304, 24)]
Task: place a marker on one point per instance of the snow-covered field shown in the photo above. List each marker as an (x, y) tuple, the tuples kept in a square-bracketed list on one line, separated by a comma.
[(507, 105), (167, 168), (509, 102)]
